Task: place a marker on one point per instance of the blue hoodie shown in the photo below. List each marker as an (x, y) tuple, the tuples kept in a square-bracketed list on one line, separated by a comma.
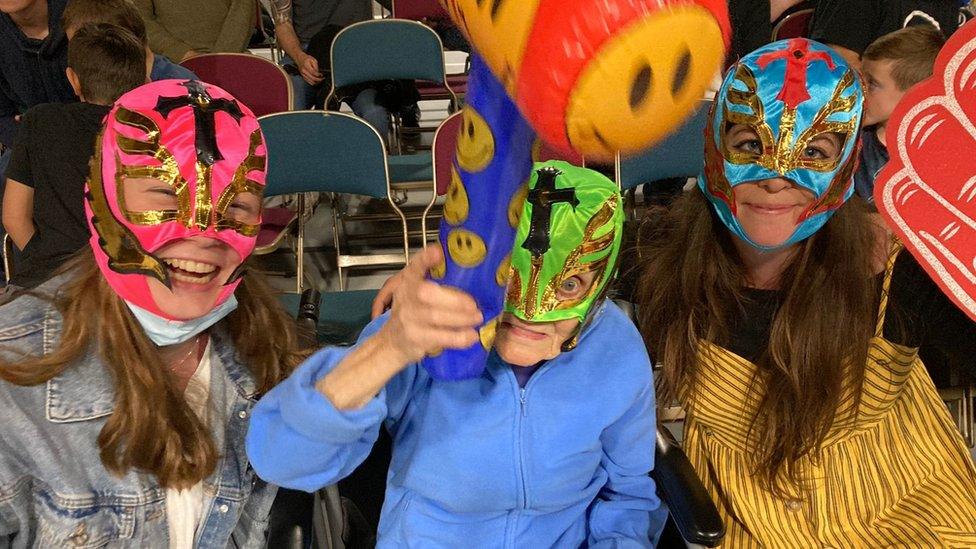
[(563, 462)]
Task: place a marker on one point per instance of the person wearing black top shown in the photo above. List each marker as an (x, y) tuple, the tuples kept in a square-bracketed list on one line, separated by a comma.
[(43, 205), (849, 26), (33, 56)]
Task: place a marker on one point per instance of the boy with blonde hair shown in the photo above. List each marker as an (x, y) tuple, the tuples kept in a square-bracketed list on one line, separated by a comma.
[(890, 66)]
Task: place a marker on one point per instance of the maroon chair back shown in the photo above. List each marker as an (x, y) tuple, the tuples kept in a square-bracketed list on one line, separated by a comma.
[(443, 148), (258, 83), (419, 10), (794, 25)]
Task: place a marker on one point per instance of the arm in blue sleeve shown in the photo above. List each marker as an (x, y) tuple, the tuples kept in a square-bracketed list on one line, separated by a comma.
[(627, 511), (298, 439)]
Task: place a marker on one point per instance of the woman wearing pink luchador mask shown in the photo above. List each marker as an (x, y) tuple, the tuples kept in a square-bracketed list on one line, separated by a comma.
[(128, 379)]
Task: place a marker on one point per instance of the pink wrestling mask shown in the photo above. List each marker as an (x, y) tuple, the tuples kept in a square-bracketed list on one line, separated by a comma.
[(174, 197)]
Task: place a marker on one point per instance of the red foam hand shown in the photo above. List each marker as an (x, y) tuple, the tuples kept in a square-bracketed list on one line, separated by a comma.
[(927, 192)]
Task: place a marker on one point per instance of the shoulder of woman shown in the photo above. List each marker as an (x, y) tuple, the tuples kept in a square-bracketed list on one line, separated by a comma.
[(614, 336)]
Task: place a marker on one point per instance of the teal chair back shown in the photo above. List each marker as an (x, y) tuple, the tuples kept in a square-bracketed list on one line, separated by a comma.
[(323, 151), (387, 49), (681, 154)]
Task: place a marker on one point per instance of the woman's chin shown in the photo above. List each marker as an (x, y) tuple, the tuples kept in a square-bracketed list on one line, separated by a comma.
[(185, 301)]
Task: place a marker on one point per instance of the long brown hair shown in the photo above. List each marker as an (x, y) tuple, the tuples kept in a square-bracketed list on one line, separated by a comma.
[(693, 284), (152, 428)]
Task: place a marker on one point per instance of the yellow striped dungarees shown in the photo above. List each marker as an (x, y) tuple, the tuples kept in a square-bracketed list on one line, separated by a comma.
[(895, 474)]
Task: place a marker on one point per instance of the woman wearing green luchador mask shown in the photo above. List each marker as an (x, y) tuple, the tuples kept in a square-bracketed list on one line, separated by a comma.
[(550, 446)]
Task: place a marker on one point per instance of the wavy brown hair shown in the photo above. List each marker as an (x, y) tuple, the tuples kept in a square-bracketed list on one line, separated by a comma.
[(692, 286), (152, 428)]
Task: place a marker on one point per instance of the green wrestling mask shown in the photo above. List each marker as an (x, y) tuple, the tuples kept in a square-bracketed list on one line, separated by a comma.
[(571, 223)]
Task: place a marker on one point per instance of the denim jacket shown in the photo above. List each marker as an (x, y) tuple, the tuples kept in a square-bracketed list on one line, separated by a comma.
[(54, 491)]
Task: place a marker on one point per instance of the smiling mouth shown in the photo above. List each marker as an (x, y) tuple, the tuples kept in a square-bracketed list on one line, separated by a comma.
[(771, 208), (526, 333), (191, 272)]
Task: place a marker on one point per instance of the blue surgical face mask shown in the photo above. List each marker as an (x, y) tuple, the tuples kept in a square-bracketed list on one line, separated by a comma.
[(788, 93), (165, 332)]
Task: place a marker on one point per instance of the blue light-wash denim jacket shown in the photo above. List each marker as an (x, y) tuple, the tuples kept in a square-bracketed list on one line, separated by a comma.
[(54, 490)]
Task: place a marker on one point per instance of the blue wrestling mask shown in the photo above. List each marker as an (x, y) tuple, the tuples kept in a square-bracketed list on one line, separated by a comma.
[(788, 92)]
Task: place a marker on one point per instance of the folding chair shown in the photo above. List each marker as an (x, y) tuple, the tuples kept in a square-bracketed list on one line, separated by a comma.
[(8, 249), (391, 49), (258, 83), (432, 13), (323, 151), (442, 149), (418, 10)]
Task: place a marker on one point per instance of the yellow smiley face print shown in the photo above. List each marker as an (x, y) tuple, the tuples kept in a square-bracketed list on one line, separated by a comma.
[(466, 248), (504, 268), (516, 205), (644, 82), (476, 144), (487, 332), (438, 271), (456, 206)]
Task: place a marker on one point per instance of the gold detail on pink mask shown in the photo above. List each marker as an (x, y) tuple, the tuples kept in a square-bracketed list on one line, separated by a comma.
[(168, 171), (202, 215), (241, 184), (125, 255)]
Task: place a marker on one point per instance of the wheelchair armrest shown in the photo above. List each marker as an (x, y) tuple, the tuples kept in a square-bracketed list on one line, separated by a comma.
[(692, 509)]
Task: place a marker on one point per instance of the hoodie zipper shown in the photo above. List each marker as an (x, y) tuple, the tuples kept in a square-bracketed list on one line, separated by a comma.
[(523, 399), (523, 497)]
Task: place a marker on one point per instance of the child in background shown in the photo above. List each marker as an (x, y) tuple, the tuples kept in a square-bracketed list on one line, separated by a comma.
[(891, 64), (42, 206)]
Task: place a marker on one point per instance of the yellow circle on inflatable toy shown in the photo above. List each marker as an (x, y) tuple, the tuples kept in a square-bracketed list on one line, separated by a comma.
[(476, 144), (456, 205), (438, 271), (517, 204), (466, 248), (643, 83), (500, 29), (487, 333), (502, 273)]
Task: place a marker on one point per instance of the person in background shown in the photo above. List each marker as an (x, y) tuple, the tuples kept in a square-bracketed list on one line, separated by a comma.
[(122, 14), (43, 206), (33, 56), (180, 29), (890, 66), (849, 26), (550, 447), (753, 21), (305, 30)]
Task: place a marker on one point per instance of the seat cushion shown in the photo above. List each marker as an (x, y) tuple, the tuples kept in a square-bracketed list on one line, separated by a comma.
[(411, 167), (342, 315)]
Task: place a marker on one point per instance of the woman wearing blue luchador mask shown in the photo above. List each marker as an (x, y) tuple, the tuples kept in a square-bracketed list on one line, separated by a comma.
[(788, 326)]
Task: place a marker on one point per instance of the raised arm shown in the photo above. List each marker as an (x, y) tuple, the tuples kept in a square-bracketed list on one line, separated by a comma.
[(318, 425)]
